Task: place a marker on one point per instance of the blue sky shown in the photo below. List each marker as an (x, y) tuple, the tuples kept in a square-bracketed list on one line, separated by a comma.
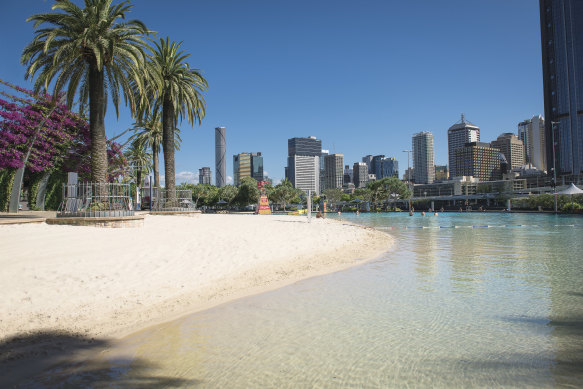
[(362, 76)]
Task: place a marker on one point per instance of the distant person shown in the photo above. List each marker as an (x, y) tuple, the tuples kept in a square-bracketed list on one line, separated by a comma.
[(442, 210), (357, 212), (422, 213), (319, 215), (461, 210), (435, 214), (411, 213), (339, 213)]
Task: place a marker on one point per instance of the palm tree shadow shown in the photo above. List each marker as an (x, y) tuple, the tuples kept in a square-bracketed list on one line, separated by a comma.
[(51, 358)]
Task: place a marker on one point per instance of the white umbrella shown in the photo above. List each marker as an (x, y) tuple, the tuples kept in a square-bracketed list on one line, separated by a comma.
[(571, 190)]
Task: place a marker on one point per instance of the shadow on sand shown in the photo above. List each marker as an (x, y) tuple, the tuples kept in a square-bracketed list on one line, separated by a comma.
[(48, 359)]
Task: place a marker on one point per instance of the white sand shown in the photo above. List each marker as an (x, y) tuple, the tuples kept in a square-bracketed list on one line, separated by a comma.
[(111, 281)]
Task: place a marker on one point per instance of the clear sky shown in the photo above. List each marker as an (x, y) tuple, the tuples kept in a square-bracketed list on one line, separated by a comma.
[(363, 76)]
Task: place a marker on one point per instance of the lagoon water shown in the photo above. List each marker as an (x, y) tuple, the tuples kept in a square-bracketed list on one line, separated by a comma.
[(461, 300)]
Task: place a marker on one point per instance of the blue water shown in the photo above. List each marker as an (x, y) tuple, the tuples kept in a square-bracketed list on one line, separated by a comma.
[(461, 300)]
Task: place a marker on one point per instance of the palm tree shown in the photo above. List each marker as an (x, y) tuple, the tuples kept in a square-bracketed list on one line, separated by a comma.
[(149, 133), (92, 54), (179, 93), (140, 159)]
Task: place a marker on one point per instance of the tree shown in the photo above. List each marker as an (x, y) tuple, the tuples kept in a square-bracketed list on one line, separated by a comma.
[(92, 54), (179, 93), (228, 193), (148, 131), (333, 195), (284, 193), (139, 159), (247, 192), (395, 188)]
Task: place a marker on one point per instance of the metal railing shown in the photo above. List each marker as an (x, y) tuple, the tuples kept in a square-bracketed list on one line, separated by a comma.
[(96, 200), (164, 200)]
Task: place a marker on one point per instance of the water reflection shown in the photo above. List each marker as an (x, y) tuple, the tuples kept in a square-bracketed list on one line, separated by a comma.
[(472, 306)]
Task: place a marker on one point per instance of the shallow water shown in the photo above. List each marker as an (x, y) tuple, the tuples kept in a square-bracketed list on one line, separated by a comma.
[(462, 300)]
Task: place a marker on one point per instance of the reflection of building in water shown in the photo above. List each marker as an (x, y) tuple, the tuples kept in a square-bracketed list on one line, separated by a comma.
[(426, 251)]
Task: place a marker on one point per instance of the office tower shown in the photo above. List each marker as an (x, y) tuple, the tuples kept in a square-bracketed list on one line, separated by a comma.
[(348, 176), (562, 56), (390, 167), (457, 136), (512, 148), (479, 160), (532, 133), (423, 162), (322, 170), (334, 164), (303, 163), (441, 173), (360, 174), (205, 176), (247, 165), (220, 156), (376, 166), (368, 160)]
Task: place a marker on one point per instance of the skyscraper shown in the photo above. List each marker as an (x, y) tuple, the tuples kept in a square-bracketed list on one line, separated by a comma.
[(423, 158), (221, 156), (303, 163), (390, 167), (479, 160), (532, 133), (512, 148), (360, 172), (247, 165), (205, 176), (334, 164), (376, 166), (457, 136), (562, 56)]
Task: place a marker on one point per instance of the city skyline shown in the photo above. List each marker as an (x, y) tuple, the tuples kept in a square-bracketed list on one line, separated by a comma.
[(267, 88)]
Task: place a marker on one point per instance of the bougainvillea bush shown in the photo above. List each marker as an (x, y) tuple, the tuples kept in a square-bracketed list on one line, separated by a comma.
[(58, 139)]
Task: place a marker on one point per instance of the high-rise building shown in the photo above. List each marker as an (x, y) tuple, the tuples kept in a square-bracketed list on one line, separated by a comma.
[(348, 176), (303, 163), (334, 164), (441, 173), (376, 166), (205, 176), (368, 160), (562, 56), (390, 167), (512, 148), (532, 133), (457, 136), (247, 165), (479, 160), (423, 158), (322, 170), (221, 156), (360, 174)]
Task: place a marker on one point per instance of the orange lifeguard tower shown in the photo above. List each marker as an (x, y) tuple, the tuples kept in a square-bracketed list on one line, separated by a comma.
[(263, 207)]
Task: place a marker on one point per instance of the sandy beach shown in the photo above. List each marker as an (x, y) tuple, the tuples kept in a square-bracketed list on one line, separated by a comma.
[(102, 282)]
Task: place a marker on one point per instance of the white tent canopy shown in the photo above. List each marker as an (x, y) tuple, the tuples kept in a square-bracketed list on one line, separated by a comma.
[(571, 190)]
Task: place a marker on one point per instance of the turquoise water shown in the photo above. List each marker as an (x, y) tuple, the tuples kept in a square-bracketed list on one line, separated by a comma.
[(461, 300)]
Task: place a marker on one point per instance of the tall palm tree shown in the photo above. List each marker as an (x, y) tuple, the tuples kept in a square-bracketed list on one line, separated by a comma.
[(179, 93), (149, 133), (140, 159), (93, 55)]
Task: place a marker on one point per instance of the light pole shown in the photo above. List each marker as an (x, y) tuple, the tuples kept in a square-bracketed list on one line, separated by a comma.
[(408, 174), (554, 163)]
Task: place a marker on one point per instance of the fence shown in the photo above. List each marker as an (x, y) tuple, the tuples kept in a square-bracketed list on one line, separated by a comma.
[(96, 200), (164, 200)]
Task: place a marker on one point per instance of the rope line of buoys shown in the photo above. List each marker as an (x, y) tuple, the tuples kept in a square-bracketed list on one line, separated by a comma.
[(476, 226)]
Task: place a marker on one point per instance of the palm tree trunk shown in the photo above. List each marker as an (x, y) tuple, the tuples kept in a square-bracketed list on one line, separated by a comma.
[(97, 124), (168, 146), (156, 164)]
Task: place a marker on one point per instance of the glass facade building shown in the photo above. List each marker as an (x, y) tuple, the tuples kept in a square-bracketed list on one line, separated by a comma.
[(247, 165), (562, 57)]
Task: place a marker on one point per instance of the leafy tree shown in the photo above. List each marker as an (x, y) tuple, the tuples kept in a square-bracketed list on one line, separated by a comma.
[(247, 192), (333, 195), (395, 188), (284, 193), (92, 54), (363, 194), (228, 193), (179, 89)]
